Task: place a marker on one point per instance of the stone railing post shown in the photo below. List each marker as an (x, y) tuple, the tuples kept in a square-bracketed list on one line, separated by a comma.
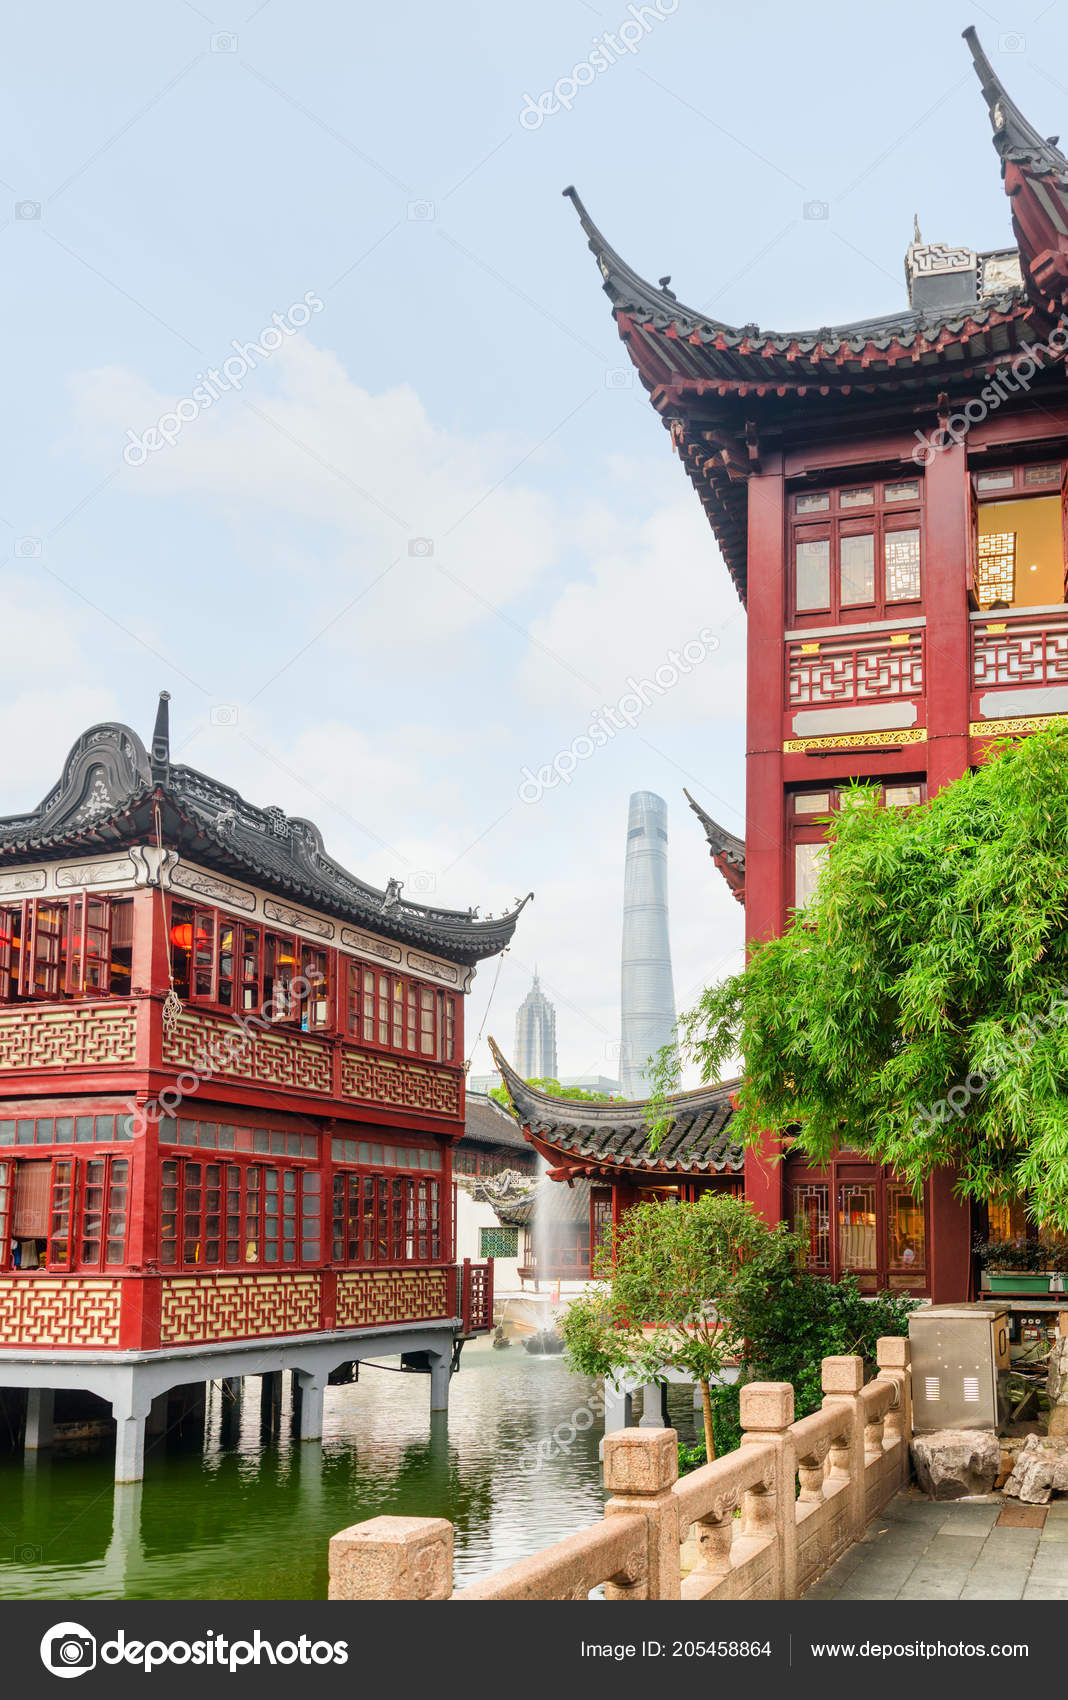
[(392, 1558), (641, 1466), (843, 1379), (892, 1354), (766, 1409)]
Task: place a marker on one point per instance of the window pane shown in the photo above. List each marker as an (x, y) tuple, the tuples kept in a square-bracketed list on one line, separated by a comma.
[(908, 490), (856, 1224), (816, 503), (812, 803), (996, 567), (903, 796), (862, 497), (905, 1229), (813, 564), (858, 569), (807, 861), (902, 565), (811, 1214), (995, 480), (1042, 475)]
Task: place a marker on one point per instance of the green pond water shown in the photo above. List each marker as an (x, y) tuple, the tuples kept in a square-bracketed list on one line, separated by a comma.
[(240, 1519)]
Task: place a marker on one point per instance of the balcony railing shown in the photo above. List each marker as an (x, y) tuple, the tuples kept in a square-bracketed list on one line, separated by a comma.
[(1020, 647), (843, 671)]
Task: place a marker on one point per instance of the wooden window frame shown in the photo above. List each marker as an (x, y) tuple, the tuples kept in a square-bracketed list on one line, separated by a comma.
[(253, 1217), (843, 1170), (881, 519), (393, 1218)]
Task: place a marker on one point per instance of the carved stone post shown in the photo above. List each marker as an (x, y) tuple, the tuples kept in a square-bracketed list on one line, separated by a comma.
[(641, 1466), (766, 1409), (392, 1558), (843, 1379), (892, 1356)]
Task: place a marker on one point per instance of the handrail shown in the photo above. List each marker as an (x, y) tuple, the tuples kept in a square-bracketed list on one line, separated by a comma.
[(569, 1569)]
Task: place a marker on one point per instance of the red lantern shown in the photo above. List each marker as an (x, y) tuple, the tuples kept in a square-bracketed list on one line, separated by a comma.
[(182, 936)]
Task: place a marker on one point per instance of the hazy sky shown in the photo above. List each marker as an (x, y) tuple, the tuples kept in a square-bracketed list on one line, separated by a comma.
[(178, 178)]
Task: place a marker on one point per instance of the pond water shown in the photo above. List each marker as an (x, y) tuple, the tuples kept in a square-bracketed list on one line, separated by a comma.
[(241, 1519)]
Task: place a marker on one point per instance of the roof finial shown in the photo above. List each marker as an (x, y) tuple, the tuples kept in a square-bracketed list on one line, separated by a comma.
[(161, 741), (916, 237)]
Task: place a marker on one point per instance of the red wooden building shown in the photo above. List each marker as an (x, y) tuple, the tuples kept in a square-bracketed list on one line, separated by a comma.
[(889, 499), (233, 1080)]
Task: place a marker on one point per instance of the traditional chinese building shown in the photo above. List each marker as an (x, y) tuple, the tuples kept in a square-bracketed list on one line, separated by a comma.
[(602, 1153), (233, 1084), (888, 497)]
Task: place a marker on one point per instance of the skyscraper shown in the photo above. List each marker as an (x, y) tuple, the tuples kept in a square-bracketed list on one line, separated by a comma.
[(535, 1036), (648, 995)]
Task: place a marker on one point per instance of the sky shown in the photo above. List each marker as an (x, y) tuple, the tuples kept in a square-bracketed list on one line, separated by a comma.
[(395, 559)]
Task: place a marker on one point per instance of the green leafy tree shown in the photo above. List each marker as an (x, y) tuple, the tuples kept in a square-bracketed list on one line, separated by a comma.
[(918, 1010), (554, 1090), (675, 1280)]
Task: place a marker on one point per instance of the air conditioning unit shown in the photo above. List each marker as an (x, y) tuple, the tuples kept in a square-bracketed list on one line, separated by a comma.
[(957, 1351)]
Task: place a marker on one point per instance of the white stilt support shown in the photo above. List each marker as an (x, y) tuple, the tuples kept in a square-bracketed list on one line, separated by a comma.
[(440, 1376), (40, 1410)]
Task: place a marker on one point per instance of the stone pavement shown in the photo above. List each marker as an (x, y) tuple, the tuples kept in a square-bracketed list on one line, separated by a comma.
[(919, 1549)]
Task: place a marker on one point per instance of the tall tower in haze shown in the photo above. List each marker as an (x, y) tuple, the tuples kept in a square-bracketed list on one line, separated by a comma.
[(648, 995), (535, 1036)]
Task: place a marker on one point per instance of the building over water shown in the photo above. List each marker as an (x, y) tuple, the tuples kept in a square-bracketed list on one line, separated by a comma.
[(232, 1085), (535, 1035), (647, 1002), (889, 498)]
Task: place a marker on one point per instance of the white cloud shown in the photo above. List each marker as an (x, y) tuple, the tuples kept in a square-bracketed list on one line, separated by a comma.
[(650, 589), (306, 446)]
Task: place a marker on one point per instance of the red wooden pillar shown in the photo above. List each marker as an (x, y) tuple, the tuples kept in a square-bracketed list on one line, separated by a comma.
[(950, 1250), (948, 664), (765, 848)]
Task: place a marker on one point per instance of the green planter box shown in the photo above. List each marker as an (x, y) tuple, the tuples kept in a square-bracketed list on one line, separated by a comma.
[(1006, 1281)]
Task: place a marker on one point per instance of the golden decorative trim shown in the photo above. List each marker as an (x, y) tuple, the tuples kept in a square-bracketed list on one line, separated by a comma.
[(900, 637), (1027, 723), (996, 626), (855, 741), (810, 649)]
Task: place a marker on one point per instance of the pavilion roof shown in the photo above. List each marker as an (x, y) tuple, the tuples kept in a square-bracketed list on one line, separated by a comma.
[(486, 1122), (595, 1138), (111, 794), (718, 386)]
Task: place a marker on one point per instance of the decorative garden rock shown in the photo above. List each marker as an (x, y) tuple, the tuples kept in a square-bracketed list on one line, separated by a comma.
[(1041, 1469), (952, 1463)]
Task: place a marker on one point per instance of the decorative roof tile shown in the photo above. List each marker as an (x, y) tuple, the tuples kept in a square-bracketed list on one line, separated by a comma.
[(616, 1135)]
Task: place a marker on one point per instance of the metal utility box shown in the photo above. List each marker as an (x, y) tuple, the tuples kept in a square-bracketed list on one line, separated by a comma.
[(956, 1353)]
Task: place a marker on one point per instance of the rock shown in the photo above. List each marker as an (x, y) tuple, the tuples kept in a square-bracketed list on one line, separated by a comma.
[(1041, 1469), (953, 1462)]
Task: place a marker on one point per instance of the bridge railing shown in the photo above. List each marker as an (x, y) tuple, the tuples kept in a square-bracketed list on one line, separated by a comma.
[(763, 1522)]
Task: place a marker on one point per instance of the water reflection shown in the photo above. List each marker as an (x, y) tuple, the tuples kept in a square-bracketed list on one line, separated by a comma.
[(240, 1521)]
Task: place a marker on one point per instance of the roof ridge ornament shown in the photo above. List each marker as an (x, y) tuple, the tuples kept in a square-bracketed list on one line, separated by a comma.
[(161, 741)]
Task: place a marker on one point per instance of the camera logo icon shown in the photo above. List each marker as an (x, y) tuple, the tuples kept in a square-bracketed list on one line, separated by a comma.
[(421, 212), (68, 1649), (28, 548), (27, 209), (619, 378), (1012, 42), (421, 547), (224, 714), (224, 42), (816, 210), (422, 883)]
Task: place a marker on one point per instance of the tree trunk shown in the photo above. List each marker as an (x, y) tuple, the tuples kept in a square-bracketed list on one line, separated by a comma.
[(710, 1438)]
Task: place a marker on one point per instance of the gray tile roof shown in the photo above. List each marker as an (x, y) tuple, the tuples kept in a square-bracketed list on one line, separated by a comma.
[(489, 1123), (616, 1135), (107, 796)]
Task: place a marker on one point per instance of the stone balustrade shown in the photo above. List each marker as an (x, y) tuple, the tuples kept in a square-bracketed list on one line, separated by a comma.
[(763, 1522)]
